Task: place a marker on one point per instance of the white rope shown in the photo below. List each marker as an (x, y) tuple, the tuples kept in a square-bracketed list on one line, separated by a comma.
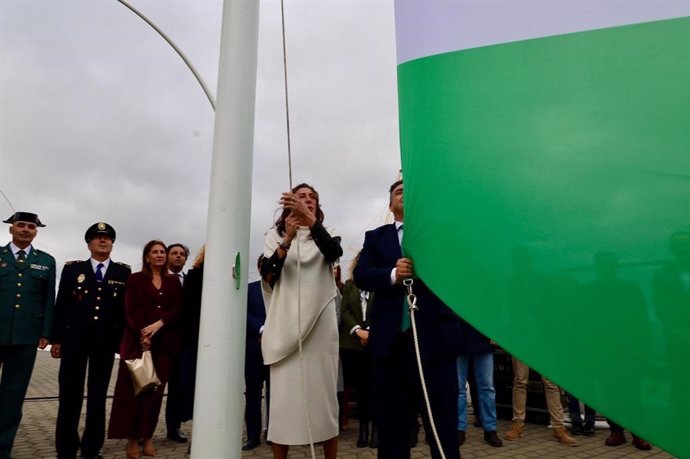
[(302, 382), (412, 301)]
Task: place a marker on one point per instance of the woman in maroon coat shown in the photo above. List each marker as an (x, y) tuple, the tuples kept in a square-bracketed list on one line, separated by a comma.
[(153, 301)]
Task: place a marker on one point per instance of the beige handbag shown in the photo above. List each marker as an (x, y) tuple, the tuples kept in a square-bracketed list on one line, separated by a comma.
[(143, 373)]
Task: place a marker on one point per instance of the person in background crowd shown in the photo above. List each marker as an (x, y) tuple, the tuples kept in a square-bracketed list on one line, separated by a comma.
[(177, 258), (553, 403), (617, 438), (88, 325), (299, 252), (255, 372), (381, 269), (27, 298), (477, 349), (356, 357), (152, 305), (577, 427)]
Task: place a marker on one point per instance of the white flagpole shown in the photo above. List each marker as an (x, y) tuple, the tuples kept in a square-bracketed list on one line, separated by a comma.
[(218, 407)]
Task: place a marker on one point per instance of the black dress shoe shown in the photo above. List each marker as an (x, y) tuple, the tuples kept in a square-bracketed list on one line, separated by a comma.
[(576, 428), (491, 437), (251, 444), (177, 435), (588, 429), (363, 439), (374, 439)]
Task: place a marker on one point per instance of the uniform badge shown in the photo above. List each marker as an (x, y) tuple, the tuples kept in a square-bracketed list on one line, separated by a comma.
[(81, 278), (101, 226)]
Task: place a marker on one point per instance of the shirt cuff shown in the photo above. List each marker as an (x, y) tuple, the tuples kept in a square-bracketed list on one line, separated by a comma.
[(261, 330), (354, 329), (394, 274)]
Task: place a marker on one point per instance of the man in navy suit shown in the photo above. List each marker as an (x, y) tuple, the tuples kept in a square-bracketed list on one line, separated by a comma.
[(397, 389), (255, 372)]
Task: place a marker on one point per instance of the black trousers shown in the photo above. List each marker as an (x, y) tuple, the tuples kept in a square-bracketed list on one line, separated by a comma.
[(17, 363), (398, 395), (73, 366), (358, 373), (255, 374), (173, 406)]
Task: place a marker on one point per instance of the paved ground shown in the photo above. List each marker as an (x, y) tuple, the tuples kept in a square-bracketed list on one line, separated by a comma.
[(36, 435)]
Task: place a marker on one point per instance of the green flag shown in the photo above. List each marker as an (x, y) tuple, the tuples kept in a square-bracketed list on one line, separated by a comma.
[(546, 157)]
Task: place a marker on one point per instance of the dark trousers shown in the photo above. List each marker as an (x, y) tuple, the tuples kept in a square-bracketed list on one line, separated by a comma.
[(73, 366), (576, 415), (173, 407), (358, 373), (255, 374), (397, 397), (188, 360), (17, 363)]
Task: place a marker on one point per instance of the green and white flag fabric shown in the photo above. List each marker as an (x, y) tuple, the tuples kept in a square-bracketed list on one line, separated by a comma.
[(546, 158)]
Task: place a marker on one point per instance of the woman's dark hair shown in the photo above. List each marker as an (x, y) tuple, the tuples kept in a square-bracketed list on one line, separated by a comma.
[(280, 223), (145, 266)]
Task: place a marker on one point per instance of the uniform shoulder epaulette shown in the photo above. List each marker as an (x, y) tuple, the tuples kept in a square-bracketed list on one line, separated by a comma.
[(125, 265), (42, 252), (67, 263)]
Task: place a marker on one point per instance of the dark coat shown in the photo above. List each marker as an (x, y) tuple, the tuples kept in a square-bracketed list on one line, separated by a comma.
[(256, 316), (191, 309), (438, 326), (88, 312), (27, 297), (352, 315), (144, 305), (474, 341)]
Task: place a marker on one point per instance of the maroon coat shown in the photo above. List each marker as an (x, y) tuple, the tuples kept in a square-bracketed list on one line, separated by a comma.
[(144, 305), (136, 416)]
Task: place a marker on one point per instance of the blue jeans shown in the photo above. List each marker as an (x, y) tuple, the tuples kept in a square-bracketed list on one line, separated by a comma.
[(484, 380)]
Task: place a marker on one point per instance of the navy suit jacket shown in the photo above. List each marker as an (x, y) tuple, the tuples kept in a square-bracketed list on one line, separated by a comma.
[(438, 327), (88, 312), (256, 316)]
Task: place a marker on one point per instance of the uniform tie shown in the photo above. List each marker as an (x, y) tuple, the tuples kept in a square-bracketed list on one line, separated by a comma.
[(21, 256), (99, 272)]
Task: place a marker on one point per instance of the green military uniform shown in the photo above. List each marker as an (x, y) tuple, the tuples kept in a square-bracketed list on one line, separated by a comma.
[(27, 296)]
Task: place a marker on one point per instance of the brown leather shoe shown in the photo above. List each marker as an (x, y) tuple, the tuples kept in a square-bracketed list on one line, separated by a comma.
[(461, 437), (560, 434), (516, 430), (615, 439), (641, 444)]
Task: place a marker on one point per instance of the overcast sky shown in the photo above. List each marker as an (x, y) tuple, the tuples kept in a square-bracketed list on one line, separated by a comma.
[(101, 121)]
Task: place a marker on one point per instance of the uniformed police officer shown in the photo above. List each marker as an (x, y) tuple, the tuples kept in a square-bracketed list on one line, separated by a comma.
[(27, 296), (89, 320)]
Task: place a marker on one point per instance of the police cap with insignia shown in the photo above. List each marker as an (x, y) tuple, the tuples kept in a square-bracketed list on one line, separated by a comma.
[(24, 217), (99, 228)]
